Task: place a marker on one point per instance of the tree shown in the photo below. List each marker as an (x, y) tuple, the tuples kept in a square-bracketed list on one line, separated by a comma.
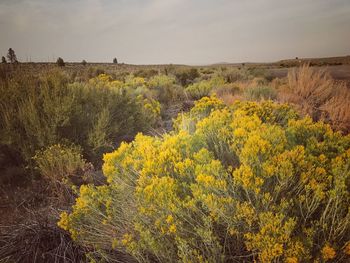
[(84, 62), (11, 55), (115, 61), (60, 62), (3, 60)]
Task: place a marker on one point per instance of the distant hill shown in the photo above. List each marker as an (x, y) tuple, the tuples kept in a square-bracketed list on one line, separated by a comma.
[(328, 61)]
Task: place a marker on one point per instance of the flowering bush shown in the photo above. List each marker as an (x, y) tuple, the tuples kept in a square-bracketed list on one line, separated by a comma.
[(201, 89), (187, 121), (62, 166), (250, 182)]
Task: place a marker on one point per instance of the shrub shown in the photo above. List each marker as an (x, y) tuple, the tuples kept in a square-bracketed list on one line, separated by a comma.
[(146, 73), (336, 110), (164, 89), (228, 93), (186, 76), (202, 89), (252, 182), (33, 110), (235, 74), (315, 93), (59, 163), (226, 89), (261, 73), (48, 110), (309, 89), (260, 93), (202, 108)]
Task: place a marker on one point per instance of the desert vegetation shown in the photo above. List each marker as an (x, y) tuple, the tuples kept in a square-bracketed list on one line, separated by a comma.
[(171, 163)]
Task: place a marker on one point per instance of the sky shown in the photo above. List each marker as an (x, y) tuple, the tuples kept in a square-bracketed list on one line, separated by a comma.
[(174, 31)]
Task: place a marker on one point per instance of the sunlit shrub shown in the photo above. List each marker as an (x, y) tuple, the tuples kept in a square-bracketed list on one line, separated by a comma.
[(308, 89), (203, 88), (202, 108), (252, 181), (134, 82), (62, 166), (104, 80)]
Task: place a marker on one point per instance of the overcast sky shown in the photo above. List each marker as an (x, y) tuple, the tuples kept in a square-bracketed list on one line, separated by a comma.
[(174, 31)]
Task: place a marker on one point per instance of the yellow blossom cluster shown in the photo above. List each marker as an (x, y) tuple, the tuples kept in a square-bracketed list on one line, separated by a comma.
[(251, 182)]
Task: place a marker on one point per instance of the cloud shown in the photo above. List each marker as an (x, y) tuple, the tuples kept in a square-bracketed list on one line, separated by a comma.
[(177, 31)]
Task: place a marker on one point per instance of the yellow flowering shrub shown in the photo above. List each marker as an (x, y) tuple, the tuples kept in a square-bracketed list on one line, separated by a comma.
[(60, 165), (203, 88), (202, 108), (104, 80), (250, 182)]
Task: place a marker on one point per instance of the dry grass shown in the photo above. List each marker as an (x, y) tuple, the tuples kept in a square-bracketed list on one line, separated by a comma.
[(38, 239), (337, 109), (316, 94), (229, 99), (309, 89)]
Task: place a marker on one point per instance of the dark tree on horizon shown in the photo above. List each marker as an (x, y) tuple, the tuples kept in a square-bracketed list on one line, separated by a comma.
[(11, 55), (84, 62), (115, 61), (60, 62), (3, 60)]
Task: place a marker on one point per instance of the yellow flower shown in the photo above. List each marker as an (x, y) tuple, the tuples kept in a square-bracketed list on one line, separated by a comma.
[(347, 248), (172, 229), (328, 252), (63, 223), (170, 219), (207, 180), (127, 238), (292, 260)]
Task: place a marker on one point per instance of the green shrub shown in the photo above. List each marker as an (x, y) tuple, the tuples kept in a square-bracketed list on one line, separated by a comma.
[(165, 90), (252, 182), (186, 76), (234, 74), (260, 93), (203, 89), (38, 112), (146, 73)]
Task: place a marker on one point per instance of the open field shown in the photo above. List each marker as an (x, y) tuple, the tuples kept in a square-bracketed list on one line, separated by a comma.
[(338, 72), (146, 163)]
